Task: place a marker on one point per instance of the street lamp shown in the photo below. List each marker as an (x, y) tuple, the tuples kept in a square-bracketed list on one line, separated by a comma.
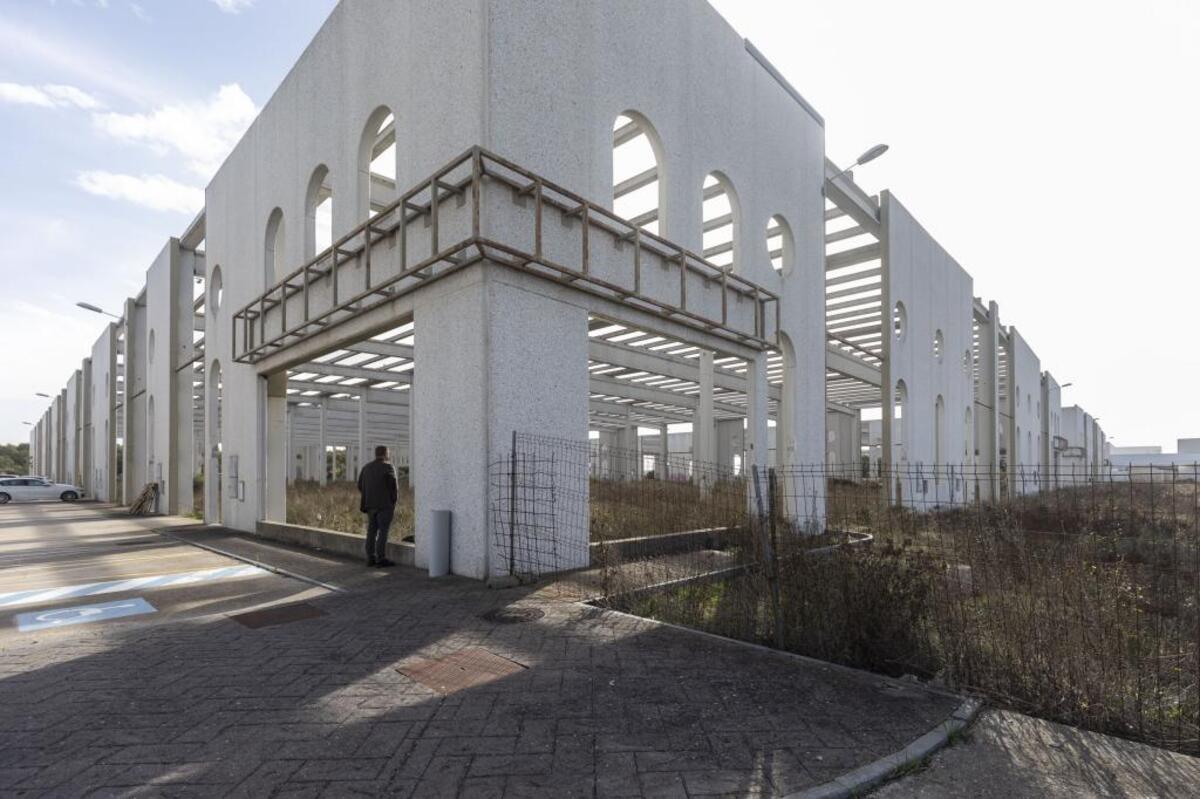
[(40, 394), (869, 155), (1066, 385), (28, 423), (87, 306)]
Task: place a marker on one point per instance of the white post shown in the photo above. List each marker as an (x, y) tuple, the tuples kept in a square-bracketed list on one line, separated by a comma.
[(323, 471)]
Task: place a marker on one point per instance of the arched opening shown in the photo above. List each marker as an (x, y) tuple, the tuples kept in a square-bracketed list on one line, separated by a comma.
[(899, 423), (939, 432), (781, 246), (720, 221), (274, 265), (637, 172), (215, 292), (377, 163), (318, 213), (938, 346), (899, 321)]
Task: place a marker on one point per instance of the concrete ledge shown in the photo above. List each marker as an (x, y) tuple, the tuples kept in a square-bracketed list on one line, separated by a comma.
[(352, 546), (864, 778), (665, 544)]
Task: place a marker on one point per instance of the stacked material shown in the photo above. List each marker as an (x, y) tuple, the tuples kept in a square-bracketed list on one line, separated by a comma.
[(146, 502)]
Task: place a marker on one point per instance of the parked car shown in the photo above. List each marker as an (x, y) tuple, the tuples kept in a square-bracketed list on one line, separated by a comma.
[(27, 488)]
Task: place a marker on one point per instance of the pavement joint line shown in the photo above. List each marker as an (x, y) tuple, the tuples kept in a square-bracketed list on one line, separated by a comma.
[(267, 566)]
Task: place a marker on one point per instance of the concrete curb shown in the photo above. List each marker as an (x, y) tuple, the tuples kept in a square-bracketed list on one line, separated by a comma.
[(864, 778)]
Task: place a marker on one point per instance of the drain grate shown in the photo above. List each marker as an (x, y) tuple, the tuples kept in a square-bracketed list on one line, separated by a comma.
[(283, 614), (466, 668), (512, 615)]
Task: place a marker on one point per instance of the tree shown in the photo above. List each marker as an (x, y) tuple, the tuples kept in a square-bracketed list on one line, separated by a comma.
[(14, 458)]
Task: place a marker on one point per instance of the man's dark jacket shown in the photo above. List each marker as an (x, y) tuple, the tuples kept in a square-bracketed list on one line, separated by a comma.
[(377, 484)]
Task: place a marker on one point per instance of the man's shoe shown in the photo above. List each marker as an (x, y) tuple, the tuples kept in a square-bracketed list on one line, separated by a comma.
[(383, 564)]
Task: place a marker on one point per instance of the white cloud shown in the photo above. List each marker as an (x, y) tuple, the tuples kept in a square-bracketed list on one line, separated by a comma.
[(157, 192), (233, 6), (202, 132), (51, 95)]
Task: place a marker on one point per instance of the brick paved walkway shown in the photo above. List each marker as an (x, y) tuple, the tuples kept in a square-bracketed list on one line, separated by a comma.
[(608, 705)]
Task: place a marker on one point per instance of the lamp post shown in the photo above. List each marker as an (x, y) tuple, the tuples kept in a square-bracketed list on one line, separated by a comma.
[(869, 155), (40, 394), (87, 306)]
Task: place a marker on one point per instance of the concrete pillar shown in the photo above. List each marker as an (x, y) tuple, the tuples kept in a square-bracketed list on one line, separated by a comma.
[(664, 453), (730, 443), (704, 447), (363, 456), (290, 446), (322, 447), (756, 445), (501, 352), (274, 477), (987, 409)]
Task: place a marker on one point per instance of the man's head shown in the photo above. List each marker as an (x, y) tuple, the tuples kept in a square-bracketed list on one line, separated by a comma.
[(381, 453)]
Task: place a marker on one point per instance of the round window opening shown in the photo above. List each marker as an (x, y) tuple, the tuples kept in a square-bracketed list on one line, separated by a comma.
[(899, 321)]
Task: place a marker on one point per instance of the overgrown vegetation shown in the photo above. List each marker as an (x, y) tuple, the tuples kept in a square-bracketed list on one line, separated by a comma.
[(632, 508), (1079, 605), (14, 459), (334, 506)]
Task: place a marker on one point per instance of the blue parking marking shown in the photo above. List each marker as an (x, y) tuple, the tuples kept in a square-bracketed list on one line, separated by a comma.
[(82, 614)]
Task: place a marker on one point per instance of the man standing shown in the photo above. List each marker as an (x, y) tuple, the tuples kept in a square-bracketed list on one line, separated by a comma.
[(377, 485)]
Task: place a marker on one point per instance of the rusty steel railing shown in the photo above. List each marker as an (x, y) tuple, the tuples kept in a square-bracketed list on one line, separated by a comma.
[(253, 341)]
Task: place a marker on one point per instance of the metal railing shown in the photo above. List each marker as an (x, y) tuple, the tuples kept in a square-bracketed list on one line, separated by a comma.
[(256, 334)]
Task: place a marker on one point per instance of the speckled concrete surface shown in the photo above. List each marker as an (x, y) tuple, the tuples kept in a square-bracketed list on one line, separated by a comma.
[(1007, 754)]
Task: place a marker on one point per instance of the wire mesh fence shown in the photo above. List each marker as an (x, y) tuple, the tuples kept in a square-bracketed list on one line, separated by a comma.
[(1076, 600)]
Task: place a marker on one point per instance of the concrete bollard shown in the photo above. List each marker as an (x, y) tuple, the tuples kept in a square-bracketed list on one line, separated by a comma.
[(439, 544)]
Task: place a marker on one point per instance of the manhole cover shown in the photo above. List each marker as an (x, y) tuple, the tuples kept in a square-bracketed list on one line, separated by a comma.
[(283, 614), (513, 615), (466, 668)]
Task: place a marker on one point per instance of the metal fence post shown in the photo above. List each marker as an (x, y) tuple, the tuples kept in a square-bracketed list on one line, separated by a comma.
[(512, 507)]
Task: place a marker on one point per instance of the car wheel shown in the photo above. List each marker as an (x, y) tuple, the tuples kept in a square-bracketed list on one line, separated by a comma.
[(69, 496), (4, 498)]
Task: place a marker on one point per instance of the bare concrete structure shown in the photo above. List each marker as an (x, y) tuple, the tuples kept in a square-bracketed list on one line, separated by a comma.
[(581, 229)]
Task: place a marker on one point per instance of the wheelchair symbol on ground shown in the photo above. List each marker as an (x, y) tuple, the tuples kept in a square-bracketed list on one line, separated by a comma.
[(82, 614)]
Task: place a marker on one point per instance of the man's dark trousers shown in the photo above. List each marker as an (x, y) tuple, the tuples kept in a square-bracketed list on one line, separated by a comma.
[(378, 522)]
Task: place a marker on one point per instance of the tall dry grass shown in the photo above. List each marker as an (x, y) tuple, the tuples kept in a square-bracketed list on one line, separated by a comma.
[(334, 506)]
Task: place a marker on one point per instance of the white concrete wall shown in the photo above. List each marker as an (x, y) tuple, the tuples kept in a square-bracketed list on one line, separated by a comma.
[(104, 422), (937, 296), (1051, 429), (370, 53), (560, 74), (1025, 388), (71, 428)]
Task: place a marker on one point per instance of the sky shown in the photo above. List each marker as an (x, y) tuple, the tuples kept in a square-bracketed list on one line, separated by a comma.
[(1051, 147)]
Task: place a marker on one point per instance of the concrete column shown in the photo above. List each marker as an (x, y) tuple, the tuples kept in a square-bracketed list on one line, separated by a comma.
[(664, 453), (730, 441), (510, 351), (363, 456), (274, 445), (987, 408), (704, 447), (756, 434), (290, 455), (322, 448)]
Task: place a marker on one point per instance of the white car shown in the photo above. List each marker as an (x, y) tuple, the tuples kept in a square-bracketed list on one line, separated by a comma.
[(27, 488)]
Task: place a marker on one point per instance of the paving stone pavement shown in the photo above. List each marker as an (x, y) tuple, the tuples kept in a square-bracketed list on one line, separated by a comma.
[(608, 706)]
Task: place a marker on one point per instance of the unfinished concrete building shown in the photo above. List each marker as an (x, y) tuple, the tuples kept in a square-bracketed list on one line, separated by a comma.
[(604, 220)]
